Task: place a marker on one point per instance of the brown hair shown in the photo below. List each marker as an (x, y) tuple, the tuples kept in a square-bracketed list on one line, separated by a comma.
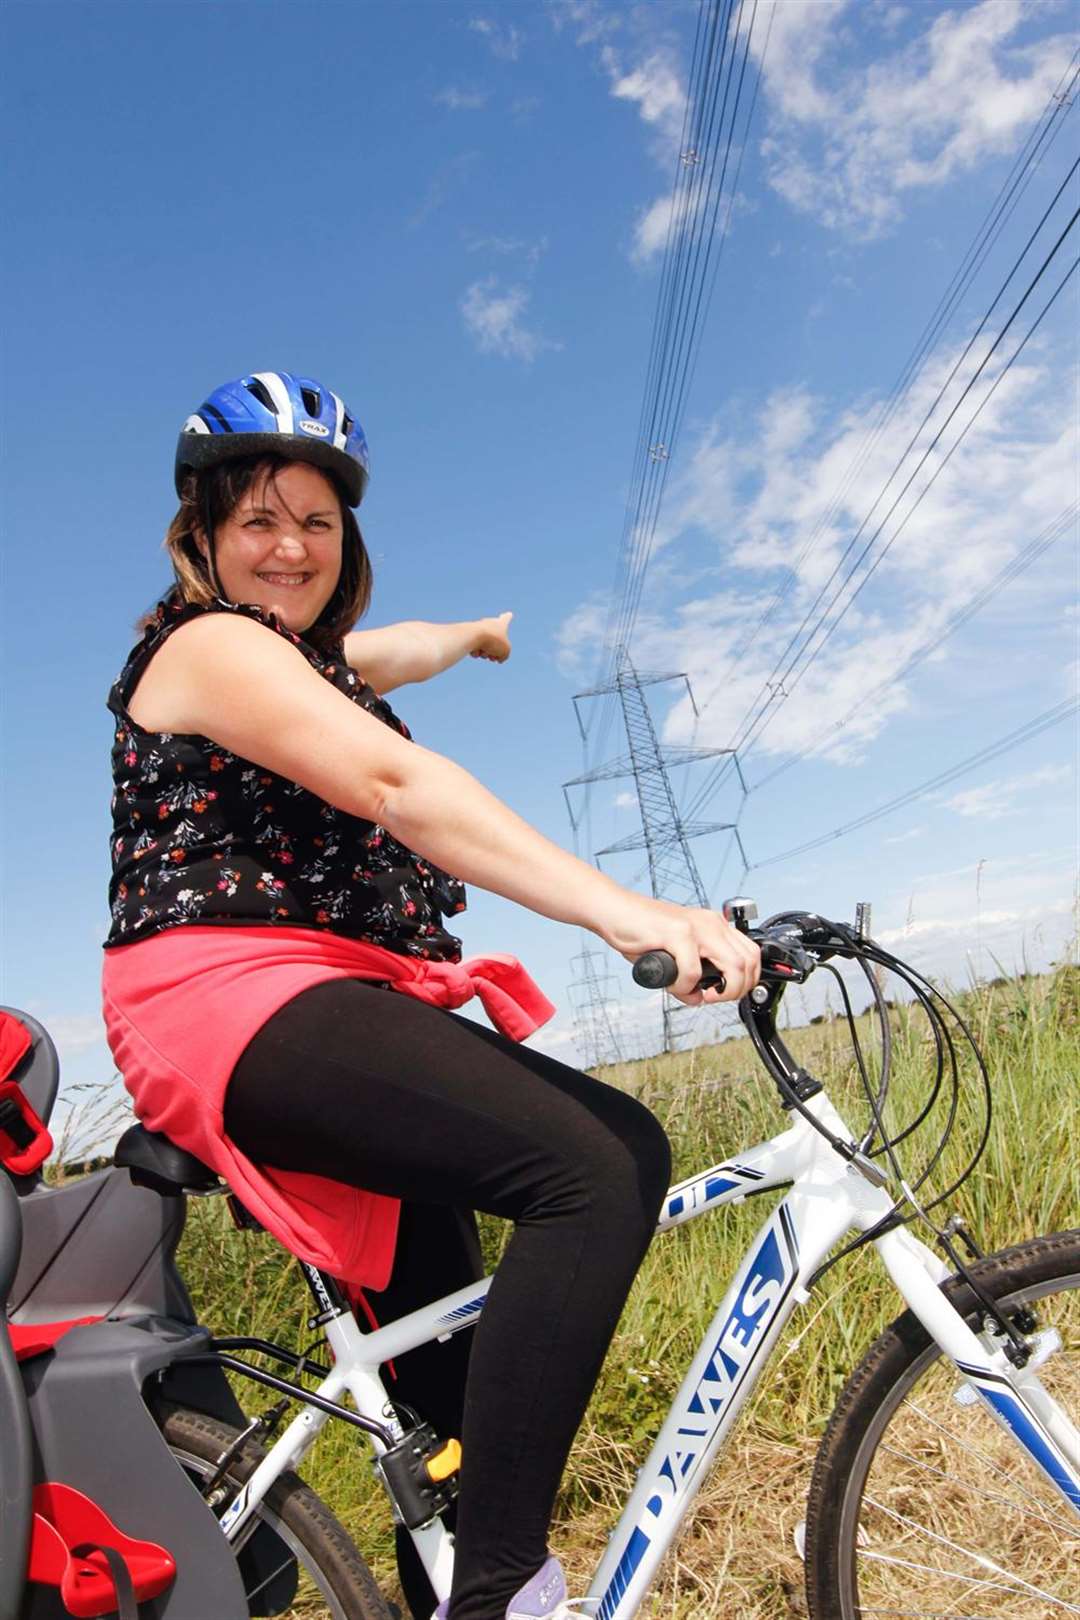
[(212, 494)]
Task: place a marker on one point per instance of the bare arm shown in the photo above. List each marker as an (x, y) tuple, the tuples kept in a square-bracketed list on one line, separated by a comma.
[(415, 650), (234, 681)]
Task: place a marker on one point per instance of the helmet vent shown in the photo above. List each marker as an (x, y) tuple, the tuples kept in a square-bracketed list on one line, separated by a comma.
[(312, 402), (347, 424), (257, 387)]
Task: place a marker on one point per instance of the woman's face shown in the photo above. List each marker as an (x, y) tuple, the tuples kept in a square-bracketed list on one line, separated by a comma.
[(280, 547)]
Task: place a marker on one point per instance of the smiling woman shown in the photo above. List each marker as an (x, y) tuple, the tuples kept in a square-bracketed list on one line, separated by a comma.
[(280, 546), (266, 515), (282, 860)]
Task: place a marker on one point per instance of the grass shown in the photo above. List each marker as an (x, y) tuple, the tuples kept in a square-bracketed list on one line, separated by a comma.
[(736, 1557)]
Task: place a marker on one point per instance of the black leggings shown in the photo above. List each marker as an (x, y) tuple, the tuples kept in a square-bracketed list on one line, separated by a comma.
[(382, 1091)]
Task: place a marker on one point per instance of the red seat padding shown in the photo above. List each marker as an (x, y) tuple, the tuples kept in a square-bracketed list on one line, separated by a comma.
[(25, 1141), (64, 1518), (27, 1144), (37, 1337), (14, 1043)]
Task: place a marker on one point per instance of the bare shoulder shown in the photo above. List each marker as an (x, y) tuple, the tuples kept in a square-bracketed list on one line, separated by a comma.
[(215, 650), (249, 690)]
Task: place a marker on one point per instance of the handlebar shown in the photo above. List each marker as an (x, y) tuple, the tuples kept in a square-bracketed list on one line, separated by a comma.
[(792, 944)]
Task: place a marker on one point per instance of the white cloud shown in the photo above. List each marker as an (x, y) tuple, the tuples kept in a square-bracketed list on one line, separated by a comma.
[(580, 637), (494, 316), (74, 1032), (906, 837), (643, 70), (590, 20), (503, 39), (656, 89), (460, 100), (1014, 913), (447, 178), (992, 800), (531, 252), (847, 142), (654, 224), (759, 513)]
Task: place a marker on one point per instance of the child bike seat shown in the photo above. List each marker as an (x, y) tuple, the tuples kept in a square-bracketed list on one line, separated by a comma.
[(155, 1162), (98, 1570)]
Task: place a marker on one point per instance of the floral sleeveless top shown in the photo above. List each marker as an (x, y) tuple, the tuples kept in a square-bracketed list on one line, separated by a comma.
[(201, 835)]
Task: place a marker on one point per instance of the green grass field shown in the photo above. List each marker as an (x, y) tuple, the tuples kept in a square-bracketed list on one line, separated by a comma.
[(736, 1558)]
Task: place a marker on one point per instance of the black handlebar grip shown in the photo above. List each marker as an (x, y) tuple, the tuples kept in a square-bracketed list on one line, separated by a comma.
[(656, 970)]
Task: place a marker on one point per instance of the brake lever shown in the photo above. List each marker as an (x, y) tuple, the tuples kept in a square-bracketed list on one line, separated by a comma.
[(785, 962)]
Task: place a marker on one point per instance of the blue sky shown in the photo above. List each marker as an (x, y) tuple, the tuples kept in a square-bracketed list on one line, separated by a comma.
[(454, 214)]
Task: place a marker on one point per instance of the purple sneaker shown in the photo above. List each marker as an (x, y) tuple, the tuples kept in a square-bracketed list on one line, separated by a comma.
[(542, 1598)]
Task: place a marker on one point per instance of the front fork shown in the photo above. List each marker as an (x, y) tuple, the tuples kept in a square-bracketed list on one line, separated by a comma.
[(1014, 1396)]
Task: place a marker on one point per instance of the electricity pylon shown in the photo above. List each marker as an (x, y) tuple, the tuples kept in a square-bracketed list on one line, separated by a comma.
[(665, 836), (595, 1028)]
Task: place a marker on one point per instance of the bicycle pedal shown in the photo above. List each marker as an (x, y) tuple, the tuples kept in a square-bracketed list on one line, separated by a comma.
[(420, 1474)]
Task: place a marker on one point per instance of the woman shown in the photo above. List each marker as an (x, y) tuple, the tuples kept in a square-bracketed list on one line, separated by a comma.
[(281, 853)]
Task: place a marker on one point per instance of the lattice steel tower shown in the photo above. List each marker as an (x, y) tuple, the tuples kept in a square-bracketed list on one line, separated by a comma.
[(592, 1003), (665, 836)]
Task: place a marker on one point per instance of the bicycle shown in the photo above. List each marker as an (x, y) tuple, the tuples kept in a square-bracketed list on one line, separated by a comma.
[(948, 1478)]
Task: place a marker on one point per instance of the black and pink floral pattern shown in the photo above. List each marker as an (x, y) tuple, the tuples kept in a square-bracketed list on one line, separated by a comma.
[(201, 835)]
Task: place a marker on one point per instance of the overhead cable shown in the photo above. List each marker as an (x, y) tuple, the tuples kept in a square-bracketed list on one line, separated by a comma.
[(1031, 155), (1012, 570), (693, 239), (783, 675), (1031, 728)]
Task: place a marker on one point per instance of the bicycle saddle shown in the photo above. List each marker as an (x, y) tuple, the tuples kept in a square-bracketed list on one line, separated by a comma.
[(155, 1162)]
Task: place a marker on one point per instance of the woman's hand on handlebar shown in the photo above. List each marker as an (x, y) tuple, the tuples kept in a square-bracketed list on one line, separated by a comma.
[(692, 936)]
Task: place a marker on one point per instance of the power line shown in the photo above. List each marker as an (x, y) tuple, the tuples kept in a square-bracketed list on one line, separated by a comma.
[(1022, 734), (783, 678), (668, 417), (783, 671), (692, 241), (1012, 570), (1001, 210), (882, 554)]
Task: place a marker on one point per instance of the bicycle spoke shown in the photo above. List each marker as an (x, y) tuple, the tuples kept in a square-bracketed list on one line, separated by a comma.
[(1065, 1526), (973, 1451), (253, 1591), (925, 1614), (957, 1575), (1008, 1582)]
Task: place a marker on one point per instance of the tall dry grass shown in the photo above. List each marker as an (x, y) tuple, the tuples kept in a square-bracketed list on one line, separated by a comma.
[(736, 1557)]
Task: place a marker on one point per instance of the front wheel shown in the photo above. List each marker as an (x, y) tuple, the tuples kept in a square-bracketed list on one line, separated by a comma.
[(299, 1563), (920, 1504)]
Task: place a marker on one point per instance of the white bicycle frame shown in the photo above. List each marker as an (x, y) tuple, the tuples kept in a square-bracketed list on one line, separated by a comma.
[(827, 1199)]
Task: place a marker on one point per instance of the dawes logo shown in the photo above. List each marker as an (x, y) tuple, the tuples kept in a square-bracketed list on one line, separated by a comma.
[(317, 428), (769, 1278)]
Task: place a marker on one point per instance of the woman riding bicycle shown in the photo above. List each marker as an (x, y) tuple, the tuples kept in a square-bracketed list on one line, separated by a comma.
[(281, 860)]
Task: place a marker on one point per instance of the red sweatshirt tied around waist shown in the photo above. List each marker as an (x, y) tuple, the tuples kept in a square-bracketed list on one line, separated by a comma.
[(181, 1006)]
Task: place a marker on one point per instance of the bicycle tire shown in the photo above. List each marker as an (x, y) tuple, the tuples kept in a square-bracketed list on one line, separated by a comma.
[(920, 1505), (329, 1566)]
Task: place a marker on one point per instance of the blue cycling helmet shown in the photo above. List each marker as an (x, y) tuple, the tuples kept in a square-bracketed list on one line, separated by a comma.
[(274, 413)]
